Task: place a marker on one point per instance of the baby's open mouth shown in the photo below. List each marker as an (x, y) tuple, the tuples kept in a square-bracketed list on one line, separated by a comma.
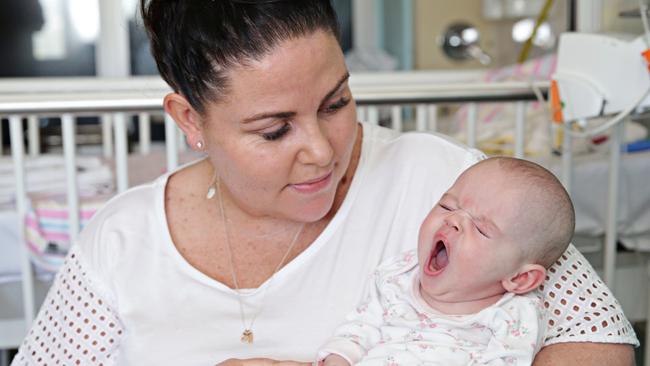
[(438, 259)]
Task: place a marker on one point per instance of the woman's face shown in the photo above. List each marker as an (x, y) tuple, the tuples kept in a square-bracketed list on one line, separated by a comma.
[(282, 137)]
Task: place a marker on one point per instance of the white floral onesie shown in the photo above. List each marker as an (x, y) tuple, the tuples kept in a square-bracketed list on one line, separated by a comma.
[(395, 326)]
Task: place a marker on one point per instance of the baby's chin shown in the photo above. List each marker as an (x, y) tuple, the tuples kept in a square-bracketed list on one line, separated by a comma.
[(450, 298)]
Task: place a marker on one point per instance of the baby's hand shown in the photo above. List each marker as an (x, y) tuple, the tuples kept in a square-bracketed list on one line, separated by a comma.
[(335, 360)]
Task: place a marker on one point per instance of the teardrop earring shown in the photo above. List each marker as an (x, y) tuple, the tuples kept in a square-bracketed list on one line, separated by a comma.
[(212, 189)]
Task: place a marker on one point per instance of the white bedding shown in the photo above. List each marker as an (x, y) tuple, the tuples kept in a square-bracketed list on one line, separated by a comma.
[(46, 173), (590, 191), (46, 179), (9, 246)]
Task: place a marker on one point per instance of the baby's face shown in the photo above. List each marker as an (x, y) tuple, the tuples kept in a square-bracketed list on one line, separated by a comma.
[(466, 244)]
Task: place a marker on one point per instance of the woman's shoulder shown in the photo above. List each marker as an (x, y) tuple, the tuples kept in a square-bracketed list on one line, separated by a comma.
[(429, 148), (122, 223), (133, 204), (139, 205)]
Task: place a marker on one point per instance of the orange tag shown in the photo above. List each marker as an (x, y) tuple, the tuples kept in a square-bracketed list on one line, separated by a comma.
[(556, 103)]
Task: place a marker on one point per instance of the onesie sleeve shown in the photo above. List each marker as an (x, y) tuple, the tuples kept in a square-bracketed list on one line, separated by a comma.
[(518, 328), (581, 307), (77, 323), (360, 332)]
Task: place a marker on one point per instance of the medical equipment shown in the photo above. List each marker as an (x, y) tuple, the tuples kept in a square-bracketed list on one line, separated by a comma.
[(461, 42), (510, 9), (599, 75)]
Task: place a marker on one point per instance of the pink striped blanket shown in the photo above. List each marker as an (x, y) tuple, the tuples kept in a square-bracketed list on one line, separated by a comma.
[(47, 227)]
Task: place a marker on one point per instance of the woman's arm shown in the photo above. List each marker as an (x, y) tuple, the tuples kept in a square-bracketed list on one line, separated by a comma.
[(586, 323), (581, 308), (75, 325), (585, 354)]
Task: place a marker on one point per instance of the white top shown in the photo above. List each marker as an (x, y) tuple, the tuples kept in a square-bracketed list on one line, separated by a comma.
[(393, 325), (127, 296)]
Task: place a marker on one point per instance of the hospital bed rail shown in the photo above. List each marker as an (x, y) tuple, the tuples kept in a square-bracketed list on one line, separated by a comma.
[(116, 99)]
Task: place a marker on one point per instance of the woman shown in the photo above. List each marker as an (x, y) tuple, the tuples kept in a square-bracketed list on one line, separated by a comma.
[(259, 250)]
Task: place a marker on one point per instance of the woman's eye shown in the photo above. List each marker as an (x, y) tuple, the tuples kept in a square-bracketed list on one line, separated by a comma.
[(336, 105), (274, 135)]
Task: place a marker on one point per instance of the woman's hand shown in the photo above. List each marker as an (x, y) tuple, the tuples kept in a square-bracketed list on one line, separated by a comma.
[(261, 362)]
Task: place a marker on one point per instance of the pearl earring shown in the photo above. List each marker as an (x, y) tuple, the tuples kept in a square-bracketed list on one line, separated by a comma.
[(199, 145)]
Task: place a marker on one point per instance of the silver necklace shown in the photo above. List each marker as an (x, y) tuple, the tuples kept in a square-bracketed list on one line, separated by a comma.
[(247, 334)]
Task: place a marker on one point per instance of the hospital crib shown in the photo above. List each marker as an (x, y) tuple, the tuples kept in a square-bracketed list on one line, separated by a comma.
[(402, 101)]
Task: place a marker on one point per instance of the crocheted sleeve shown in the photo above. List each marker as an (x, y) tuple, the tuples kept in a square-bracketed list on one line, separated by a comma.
[(581, 308), (76, 324)]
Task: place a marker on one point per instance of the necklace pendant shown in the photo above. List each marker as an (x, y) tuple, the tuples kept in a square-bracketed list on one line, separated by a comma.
[(211, 192), (247, 336)]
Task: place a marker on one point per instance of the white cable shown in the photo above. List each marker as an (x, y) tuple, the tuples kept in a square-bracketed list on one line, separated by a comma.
[(643, 10), (601, 128), (546, 111), (540, 97), (616, 119), (596, 130)]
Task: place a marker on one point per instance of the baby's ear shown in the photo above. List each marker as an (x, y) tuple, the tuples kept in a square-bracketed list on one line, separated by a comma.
[(528, 278)]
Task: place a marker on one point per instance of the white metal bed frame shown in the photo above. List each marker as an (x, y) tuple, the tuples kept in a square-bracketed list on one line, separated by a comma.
[(115, 99)]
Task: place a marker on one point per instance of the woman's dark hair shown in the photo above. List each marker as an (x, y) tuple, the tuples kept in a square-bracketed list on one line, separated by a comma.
[(195, 42)]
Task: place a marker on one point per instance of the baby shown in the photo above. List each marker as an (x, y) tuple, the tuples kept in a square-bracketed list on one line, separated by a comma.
[(468, 296)]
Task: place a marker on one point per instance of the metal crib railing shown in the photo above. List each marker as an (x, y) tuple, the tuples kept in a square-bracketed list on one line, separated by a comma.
[(116, 99)]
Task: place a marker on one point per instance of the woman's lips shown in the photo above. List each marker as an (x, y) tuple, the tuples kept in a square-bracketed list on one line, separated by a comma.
[(313, 185)]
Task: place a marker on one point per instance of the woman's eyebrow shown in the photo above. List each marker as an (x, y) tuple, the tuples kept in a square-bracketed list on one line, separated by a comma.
[(263, 115), (337, 87), (288, 115)]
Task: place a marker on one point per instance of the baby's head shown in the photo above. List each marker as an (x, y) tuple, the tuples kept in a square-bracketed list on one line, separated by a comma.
[(496, 230)]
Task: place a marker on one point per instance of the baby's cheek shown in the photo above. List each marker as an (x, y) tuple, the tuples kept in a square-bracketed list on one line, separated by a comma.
[(422, 256), (474, 264)]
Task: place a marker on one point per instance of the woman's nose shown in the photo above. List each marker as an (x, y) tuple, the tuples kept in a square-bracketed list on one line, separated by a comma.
[(316, 149)]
